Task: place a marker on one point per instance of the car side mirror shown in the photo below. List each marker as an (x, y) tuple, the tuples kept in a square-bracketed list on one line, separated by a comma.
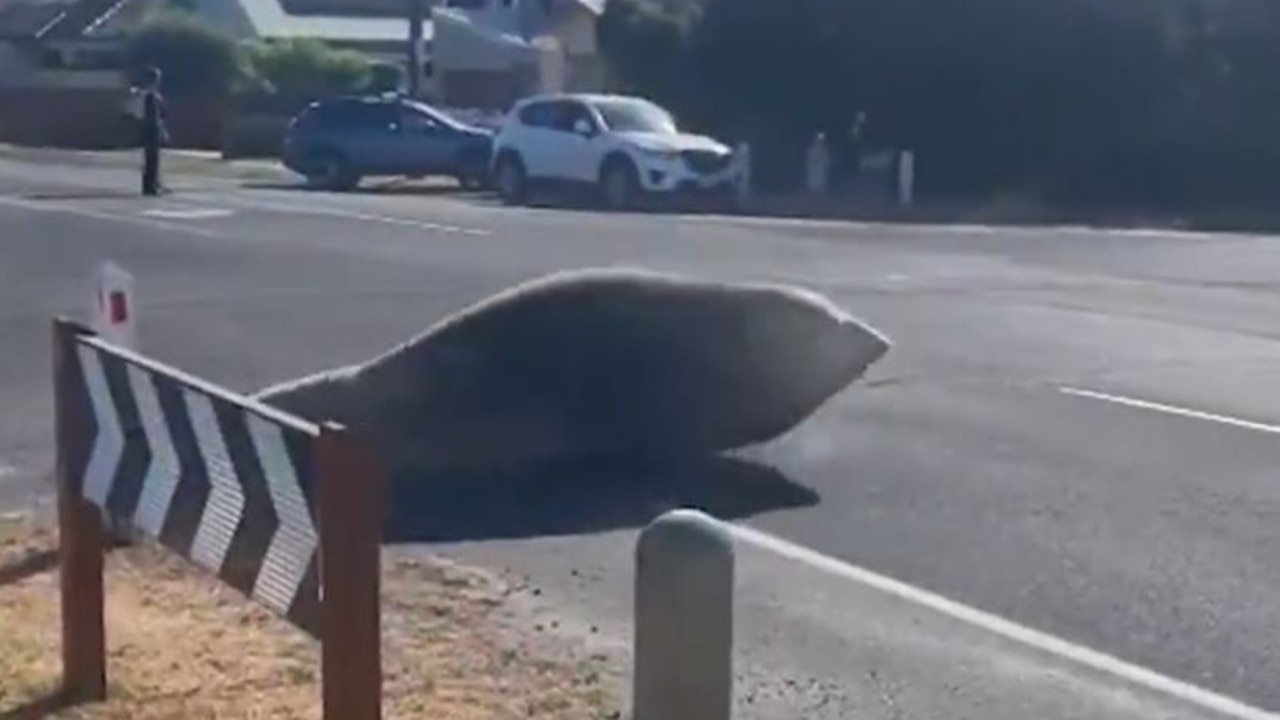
[(583, 128)]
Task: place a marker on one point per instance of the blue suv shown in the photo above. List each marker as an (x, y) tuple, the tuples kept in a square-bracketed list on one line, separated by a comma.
[(334, 143)]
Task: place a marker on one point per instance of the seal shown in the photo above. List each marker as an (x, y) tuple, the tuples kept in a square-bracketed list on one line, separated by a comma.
[(595, 362)]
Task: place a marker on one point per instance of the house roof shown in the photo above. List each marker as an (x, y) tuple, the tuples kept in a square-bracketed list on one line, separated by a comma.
[(121, 18), (71, 19), (462, 42), (359, 21), (269, 19), (28, 19), (350, 8)]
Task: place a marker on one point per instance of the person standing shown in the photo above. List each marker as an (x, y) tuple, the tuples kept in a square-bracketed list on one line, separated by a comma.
[(154, 133)]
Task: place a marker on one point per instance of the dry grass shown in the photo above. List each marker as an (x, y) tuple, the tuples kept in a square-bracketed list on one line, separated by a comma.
[(182, 646)]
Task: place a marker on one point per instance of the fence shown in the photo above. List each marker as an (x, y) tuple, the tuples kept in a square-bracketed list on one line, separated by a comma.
[(290, 514), (287, 512)]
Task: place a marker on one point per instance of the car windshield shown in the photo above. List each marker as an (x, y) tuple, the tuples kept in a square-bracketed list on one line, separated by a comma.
[(635, 116), (440, 117)]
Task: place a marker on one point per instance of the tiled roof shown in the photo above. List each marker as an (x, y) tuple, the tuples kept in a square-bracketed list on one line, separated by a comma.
[(27, 18), (122, 18), (349, 8), (269, 19), (70, 19)]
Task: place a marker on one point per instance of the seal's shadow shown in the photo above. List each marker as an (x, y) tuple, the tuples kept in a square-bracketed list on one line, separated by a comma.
[(582, 497)]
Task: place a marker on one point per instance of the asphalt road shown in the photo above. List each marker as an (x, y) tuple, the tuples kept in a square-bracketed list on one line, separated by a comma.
[(1075, 431)]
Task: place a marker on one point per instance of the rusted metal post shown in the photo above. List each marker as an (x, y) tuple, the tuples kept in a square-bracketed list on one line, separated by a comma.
[(80, 534), (350, 488), (684, 619)]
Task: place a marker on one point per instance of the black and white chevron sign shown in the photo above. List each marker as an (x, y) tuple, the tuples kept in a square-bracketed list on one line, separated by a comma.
[(205, 473)]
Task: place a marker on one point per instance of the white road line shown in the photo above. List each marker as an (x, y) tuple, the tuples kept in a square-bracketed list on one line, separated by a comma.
[(960, 227), (1042, 642), (54, 207), (1172, 410), (188, 213), (163, 224), (307, 209)]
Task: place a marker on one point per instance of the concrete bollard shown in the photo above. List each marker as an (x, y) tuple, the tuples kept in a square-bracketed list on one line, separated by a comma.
[(906, 177), (684, 619)]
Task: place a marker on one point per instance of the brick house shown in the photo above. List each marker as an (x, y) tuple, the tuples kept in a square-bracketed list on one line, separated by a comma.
[(60, 61)]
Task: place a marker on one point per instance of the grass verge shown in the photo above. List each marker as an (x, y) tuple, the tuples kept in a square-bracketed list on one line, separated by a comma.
[(183, 646)]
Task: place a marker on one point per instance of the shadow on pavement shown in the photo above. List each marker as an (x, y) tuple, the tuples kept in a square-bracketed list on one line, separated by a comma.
[(392, 187), (41, 707), (83, 195), (32, 564), (550, 200), (582, 498)]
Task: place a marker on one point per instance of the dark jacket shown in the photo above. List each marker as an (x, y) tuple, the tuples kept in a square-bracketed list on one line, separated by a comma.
[(153, 117)]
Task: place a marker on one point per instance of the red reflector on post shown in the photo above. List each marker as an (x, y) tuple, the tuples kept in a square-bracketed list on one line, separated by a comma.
[(119, 309)]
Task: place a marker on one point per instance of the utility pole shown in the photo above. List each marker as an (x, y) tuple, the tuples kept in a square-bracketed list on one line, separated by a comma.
[(417, 9)]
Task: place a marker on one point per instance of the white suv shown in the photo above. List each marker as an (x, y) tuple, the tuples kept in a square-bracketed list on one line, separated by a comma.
[(622, 147)]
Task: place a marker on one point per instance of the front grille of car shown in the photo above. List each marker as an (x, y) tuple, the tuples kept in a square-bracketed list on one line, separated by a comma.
[(705, 162)]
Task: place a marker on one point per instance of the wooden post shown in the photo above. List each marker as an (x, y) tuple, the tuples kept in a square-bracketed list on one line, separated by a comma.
[(351, 501), (417, 15), (80, 535)]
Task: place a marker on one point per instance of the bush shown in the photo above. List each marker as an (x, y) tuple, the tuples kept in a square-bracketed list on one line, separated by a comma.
[(304, 68)]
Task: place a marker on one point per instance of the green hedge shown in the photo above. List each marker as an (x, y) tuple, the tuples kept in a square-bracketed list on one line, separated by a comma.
[(1157, 102)]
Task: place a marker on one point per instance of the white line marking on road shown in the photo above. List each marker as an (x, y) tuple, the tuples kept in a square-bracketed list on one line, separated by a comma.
[(188, 213), (305, 208), (54, 207), (166, 224), (1172, 410), (1092, 659), (780, 222)]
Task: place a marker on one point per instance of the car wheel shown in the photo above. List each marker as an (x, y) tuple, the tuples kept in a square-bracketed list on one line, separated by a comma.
[(511, 180), (331, 171), (619, 185)]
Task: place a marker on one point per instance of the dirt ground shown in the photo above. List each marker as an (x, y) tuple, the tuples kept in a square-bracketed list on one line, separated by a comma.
[(182, 645)]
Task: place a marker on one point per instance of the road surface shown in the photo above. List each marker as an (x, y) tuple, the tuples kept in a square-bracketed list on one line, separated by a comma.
[(1075, 432)]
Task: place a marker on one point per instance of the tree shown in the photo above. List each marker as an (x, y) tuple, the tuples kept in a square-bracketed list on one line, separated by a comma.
[(386, 77), (643, 48), (193, 57), (1157, 102)]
